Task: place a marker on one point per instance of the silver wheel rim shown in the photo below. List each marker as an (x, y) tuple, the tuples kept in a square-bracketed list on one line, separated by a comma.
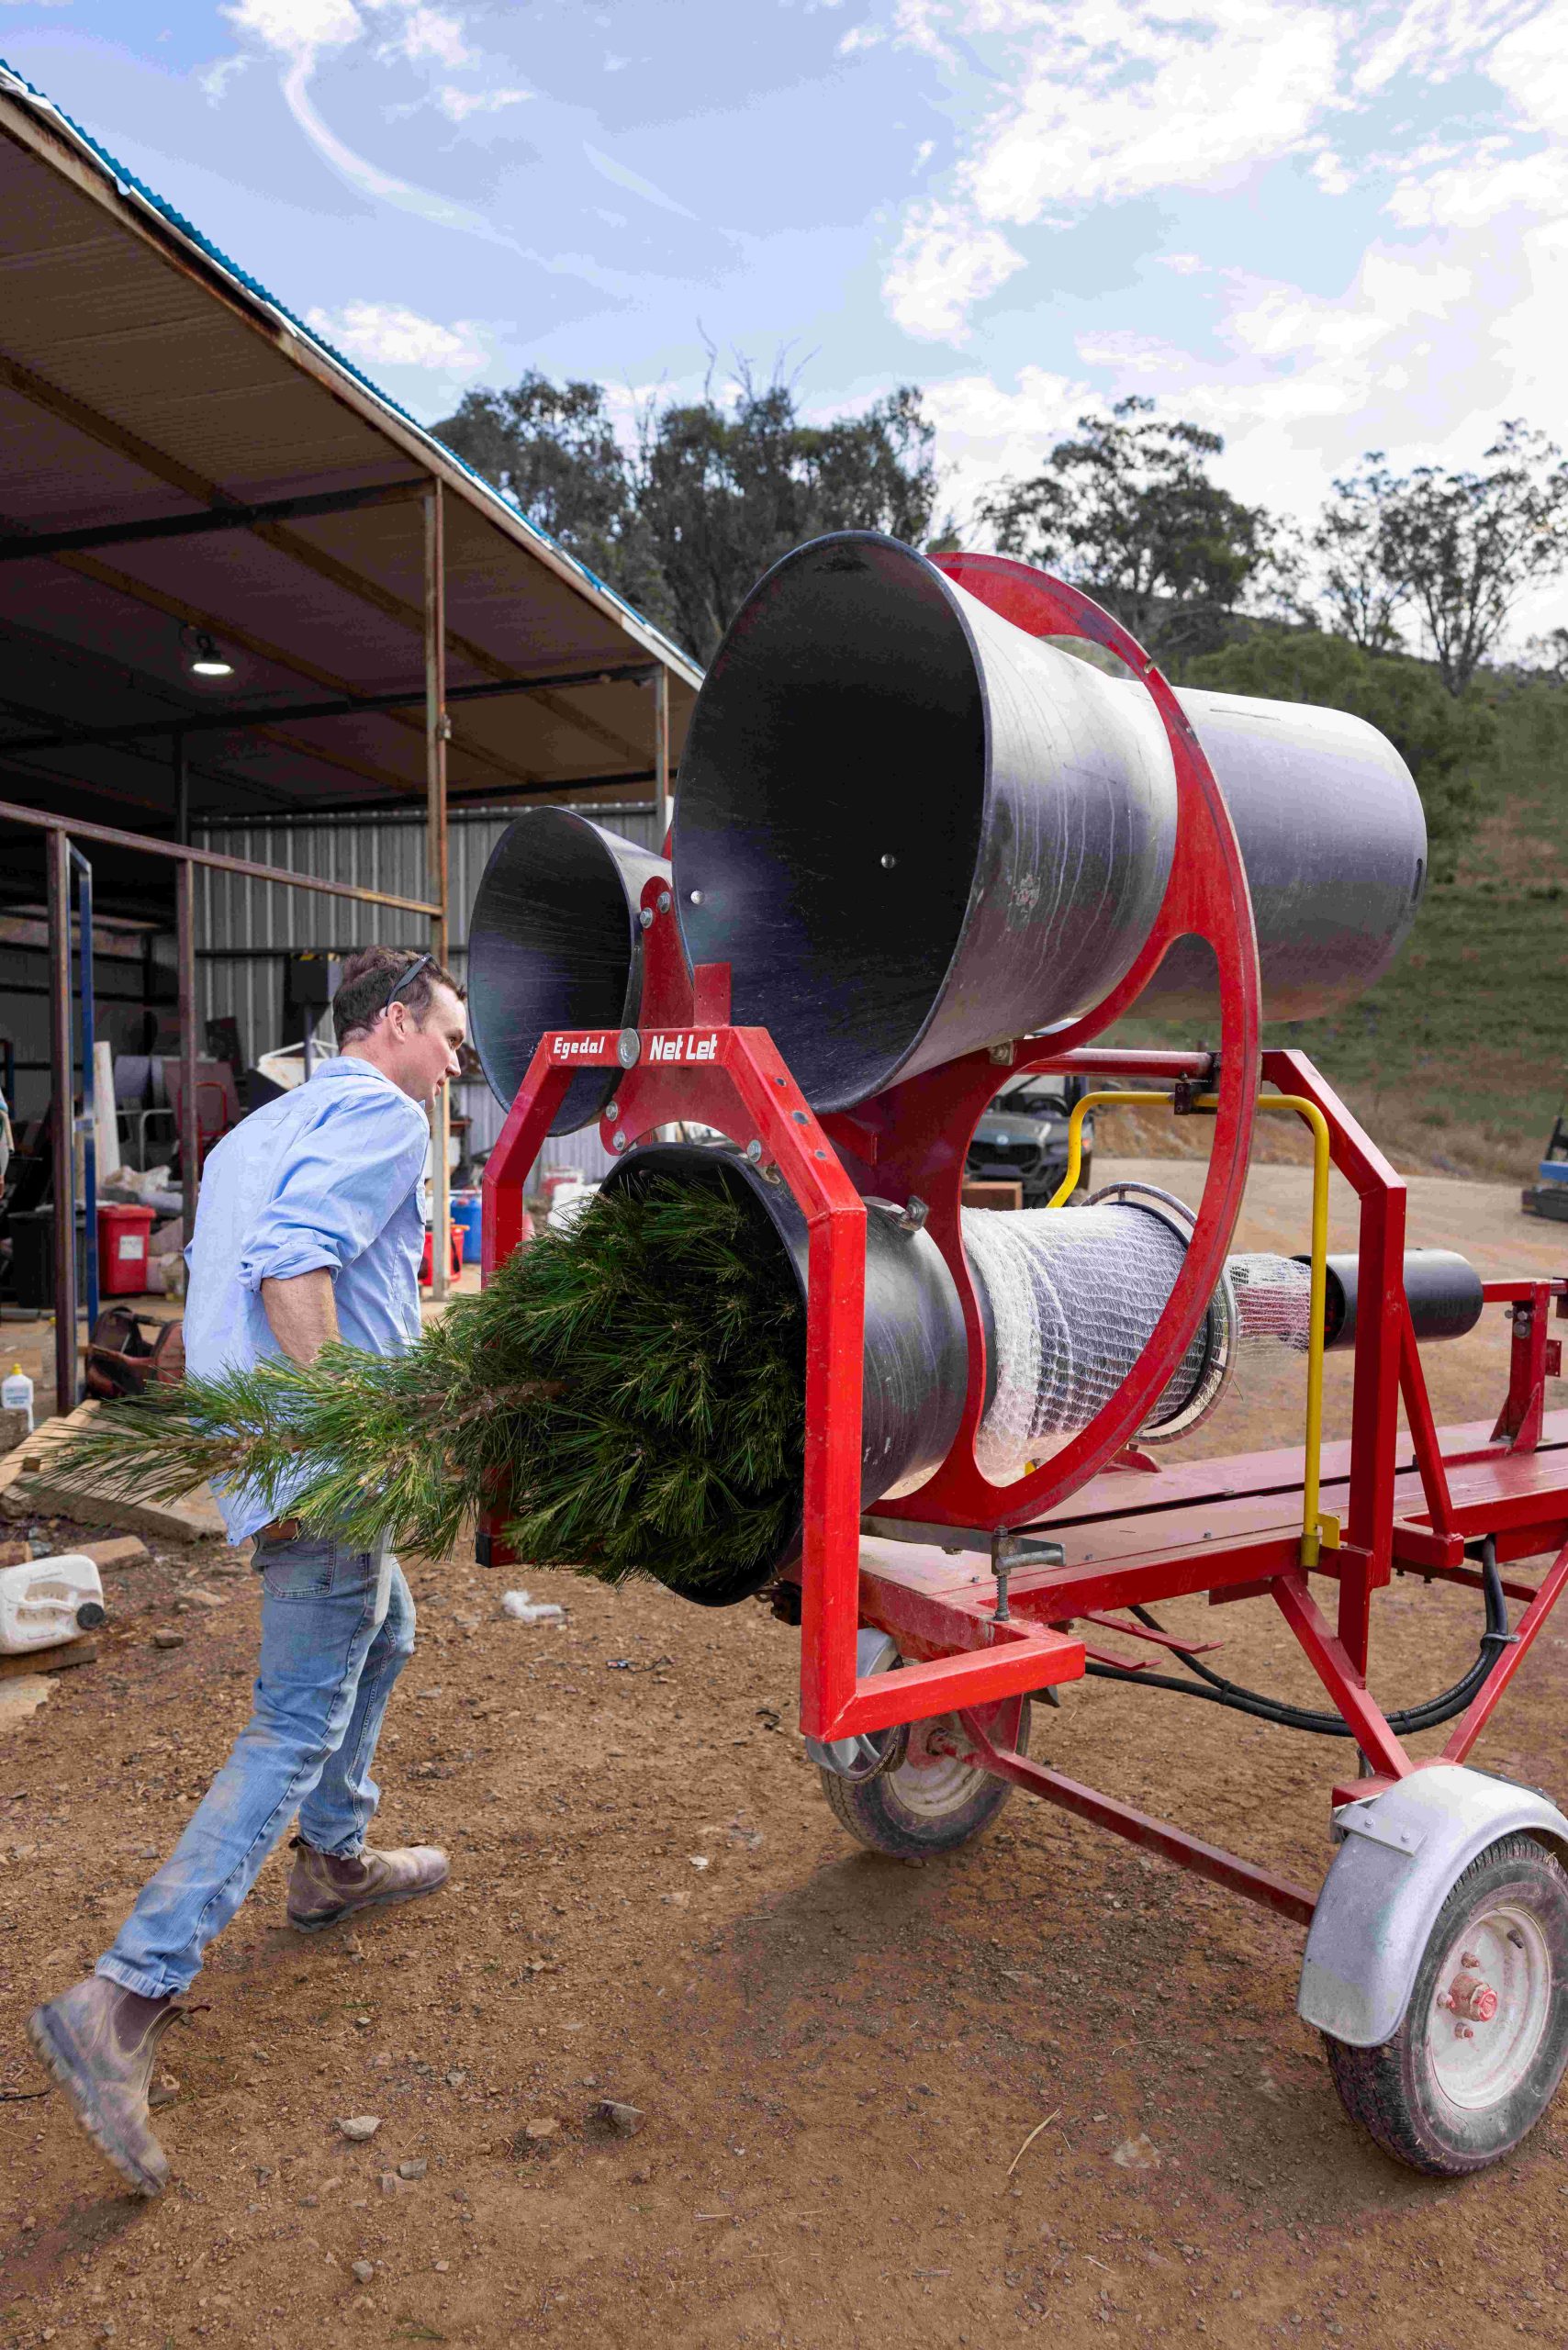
[(933, 1786), (1478, 2063)]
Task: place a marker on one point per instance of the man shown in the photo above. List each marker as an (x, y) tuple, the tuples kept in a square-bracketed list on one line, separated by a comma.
[(310, 1229)]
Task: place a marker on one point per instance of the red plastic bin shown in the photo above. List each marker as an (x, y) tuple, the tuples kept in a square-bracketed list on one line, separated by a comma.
[(122, 1249), (427, 1261)]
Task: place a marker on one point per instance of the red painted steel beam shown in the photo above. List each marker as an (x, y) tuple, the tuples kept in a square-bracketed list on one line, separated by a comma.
[(1340, 1676), (1483, 1705), (1287, 1900)]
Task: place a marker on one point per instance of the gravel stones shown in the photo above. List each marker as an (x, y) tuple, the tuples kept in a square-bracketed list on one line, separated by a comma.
[(359, 2127)]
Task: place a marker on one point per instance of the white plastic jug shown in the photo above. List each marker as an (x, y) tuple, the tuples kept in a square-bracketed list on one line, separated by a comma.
[(17, 1393), (46, 1601)]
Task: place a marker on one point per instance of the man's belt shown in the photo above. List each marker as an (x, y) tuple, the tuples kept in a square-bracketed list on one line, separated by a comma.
[(282, 1529)]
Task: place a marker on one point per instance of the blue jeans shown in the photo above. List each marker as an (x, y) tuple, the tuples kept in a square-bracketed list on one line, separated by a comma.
[(337, 1629)]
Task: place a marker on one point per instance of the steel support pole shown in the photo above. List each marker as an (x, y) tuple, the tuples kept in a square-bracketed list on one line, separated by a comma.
[(190, 1146), (437, 727), (63, 1121), (91, 1172), (661, 747), (181, 793)]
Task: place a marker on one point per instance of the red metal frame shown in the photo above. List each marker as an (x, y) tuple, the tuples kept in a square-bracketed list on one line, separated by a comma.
[(1230, 1528)]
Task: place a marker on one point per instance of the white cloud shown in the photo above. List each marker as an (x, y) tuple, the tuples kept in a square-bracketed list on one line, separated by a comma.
[(633, 182), (214, 79), (1121, 102), (1133, 353), (985, 432), (298, 28), (947, 261), (1531, 66), (384, 334), (458, 104), (1332, 173), (424, 32), (1108, 100)]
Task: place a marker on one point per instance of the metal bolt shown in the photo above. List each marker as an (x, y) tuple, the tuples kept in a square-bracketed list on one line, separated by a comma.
[(1445, 1998), (695, 897), (618, 1140), (645, 917), (1463, 2031), (754, 1151), (1468, 1958), (611, 1111), (664, 901)]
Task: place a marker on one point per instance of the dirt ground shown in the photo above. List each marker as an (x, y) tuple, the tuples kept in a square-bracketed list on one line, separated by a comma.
[(839, 2058)]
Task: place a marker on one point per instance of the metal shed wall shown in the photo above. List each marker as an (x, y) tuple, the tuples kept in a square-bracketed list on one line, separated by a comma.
[(244, 928)]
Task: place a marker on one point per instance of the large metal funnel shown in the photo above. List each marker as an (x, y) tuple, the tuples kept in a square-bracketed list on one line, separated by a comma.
[(913, 830), (909, 828), (553, 942)]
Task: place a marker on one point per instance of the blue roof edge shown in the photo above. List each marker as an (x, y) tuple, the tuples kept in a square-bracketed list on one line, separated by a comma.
[(125, 183)]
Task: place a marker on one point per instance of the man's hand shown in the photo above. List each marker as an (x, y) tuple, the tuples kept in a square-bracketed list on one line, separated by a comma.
[(303, 1313)]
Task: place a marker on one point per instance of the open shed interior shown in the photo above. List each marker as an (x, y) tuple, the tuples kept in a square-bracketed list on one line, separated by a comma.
[(249, 606)]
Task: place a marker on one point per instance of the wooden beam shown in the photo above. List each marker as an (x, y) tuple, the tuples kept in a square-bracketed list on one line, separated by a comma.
[(365, 769), (175, 607), (436, 878), (278, 535), (32, 546), (661, 745), (63, 1121), (185, 957)]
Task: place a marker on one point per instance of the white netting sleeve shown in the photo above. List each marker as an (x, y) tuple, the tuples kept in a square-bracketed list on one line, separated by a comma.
[(1073, 1297), (1273, 1302)]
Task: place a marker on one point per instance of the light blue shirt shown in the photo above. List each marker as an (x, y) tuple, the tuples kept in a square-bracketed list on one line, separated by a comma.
[(329, 1175)]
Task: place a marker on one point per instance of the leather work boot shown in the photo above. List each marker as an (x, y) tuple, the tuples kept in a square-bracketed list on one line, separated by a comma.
[(323, 1889), (99, 2041)]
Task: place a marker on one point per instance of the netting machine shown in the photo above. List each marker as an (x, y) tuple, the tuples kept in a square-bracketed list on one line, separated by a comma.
[(917, 842)]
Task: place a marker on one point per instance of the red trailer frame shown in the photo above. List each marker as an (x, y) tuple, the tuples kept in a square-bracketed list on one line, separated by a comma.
[(1228, 1527)]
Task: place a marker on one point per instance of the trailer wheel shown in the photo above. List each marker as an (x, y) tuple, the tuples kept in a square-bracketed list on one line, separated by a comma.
[(931, 1802), (1484, 2041)]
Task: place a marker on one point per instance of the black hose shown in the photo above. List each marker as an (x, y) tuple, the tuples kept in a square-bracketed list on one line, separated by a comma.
[(1426, 1716)]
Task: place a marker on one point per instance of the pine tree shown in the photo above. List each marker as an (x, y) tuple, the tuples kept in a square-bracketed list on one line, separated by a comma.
[(629, 1392)]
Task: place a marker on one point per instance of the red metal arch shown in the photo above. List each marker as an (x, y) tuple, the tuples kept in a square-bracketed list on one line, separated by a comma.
[(913, 1138)]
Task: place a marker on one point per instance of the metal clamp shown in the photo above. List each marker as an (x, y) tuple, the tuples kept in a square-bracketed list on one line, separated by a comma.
[(1011, 1549)]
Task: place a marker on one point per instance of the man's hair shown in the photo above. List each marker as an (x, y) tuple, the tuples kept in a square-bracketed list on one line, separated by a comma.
[(368, 980)]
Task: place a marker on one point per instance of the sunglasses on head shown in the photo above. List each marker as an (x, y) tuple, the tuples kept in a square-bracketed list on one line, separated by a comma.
[(409, 976)]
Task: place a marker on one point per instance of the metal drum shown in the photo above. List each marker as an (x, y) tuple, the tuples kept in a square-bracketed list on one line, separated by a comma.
[(913, 830), (909, 828), (1334, 840), (554, 941)]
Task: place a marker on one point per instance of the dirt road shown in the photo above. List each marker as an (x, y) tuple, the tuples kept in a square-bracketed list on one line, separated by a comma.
[(838, 2057)]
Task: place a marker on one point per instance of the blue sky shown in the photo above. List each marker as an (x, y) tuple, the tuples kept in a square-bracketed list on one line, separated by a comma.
[(1318, 228)]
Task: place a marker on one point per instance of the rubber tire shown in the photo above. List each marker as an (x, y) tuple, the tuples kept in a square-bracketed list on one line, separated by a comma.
[(872, 1812), (1390, 2090)]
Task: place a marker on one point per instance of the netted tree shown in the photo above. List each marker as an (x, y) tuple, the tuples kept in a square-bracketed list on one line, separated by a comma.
[(629, 1394)]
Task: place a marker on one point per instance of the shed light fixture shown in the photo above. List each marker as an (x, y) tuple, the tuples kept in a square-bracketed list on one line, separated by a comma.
[(202, 657)]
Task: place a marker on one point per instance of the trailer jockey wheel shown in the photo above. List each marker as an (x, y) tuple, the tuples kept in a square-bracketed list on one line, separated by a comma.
[(930, 1800), (1484, 2039)]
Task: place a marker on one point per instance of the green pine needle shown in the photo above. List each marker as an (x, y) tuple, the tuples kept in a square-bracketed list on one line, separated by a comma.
[(629, 1392)]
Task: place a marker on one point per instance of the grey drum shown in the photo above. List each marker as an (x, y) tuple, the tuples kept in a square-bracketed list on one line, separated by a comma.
[(913, 830), (1332, 834), (553, 942)]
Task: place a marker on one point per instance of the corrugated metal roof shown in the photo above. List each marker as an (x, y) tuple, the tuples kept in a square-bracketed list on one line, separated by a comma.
[(145, 374)]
